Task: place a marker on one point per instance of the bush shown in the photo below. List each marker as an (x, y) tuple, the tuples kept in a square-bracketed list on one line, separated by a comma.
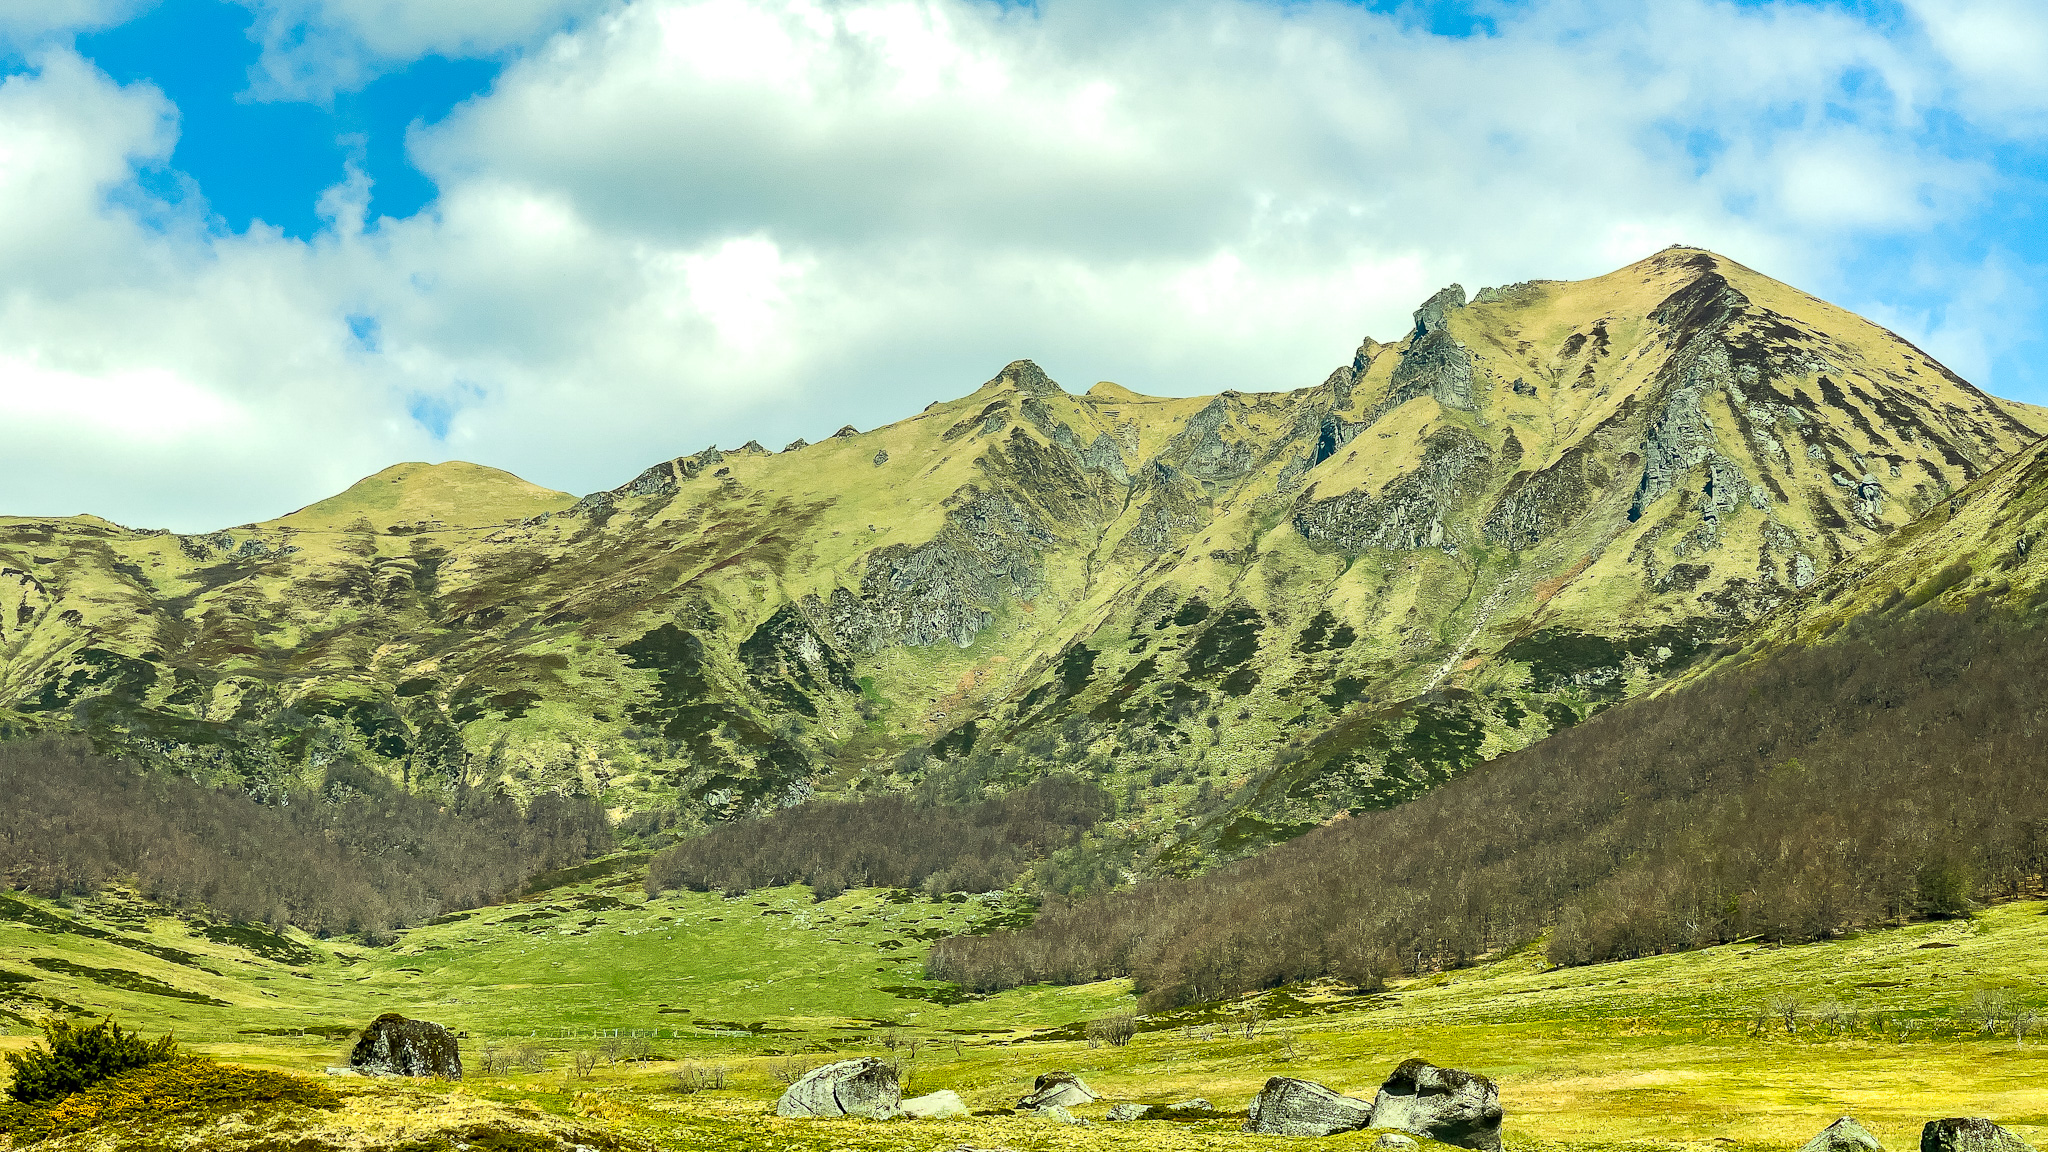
[(187, 1086), (73, 1058)]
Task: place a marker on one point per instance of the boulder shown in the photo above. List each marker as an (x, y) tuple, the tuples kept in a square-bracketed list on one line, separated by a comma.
[(395, 1046), (1443, 1104), (864, 1087), (1122, 1113), (1844, 1135), (1290, 1107), (941, 1105), (1396, 1141), (1969, 1134), (1197, 1104), (1063, 1089), (1057, 1115)]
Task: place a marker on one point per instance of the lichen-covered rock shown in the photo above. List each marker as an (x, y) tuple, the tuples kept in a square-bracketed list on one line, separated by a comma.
[(1443, 1104), (1061, 1089), (1396, 1141), (396, 1046), (864, 1087), (1844, 1135), (1123, 1113), (1969, 1134), (1290, 1107), (941, 1105), (1196, 1108), (1058, 1115)]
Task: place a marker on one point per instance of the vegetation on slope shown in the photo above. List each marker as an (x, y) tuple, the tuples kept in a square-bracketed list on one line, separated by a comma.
[(356, 855), (1894, 772), (891, 841)]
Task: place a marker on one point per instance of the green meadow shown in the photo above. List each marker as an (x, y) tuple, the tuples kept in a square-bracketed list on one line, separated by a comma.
[(1742, 1046)]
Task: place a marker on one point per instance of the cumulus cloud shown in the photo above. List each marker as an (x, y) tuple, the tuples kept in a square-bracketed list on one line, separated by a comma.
[(1998, 50), (687, 221), (312, 48), (26, 23)]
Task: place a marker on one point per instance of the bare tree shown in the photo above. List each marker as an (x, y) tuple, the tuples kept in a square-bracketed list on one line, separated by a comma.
[(2021, 1020), (1115, 1030), (1988, 1008), (1788, 1008)]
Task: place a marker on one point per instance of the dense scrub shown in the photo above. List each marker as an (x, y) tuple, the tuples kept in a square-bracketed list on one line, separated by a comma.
[(893, 841), (1899, 770), (356, 855)]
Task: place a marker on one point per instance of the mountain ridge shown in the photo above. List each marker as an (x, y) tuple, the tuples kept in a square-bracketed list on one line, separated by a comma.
[(1249, 610)]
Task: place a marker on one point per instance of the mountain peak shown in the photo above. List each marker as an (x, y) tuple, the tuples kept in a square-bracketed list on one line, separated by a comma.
[(1025, 377), (454, 492)]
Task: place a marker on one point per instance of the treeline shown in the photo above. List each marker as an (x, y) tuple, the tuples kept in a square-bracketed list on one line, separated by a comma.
[(895, 840), (1897, 771), (358, 855)]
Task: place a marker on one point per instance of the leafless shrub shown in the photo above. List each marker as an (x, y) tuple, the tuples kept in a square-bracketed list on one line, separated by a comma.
[(1788, 1009), (2021, 1020), (789, 1069), (527, 1056), (1988, 1008), (693, 1078), (1115, 1030), (585, 1061)]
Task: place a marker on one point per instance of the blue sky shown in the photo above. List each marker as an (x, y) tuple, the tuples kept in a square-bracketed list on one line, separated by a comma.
[(254, 249)]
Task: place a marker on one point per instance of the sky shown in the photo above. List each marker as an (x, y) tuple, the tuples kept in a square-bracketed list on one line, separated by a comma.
[(253, 250)]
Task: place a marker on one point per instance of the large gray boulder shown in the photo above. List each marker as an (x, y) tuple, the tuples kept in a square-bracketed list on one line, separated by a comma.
[(1057, 1089), (1290, 1107), (944, 1104), (1443, 1104), (864, 1087), (395, 1046), (1969, 1134), (1844, 1135)]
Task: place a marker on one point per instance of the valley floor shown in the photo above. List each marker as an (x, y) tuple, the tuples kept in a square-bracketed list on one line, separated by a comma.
[(1689, 1050)]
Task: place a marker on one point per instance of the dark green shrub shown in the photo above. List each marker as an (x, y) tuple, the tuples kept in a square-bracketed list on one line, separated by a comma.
[(72, 1058)]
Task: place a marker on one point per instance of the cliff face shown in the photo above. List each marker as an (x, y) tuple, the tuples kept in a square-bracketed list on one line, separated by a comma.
[(1249, 611)]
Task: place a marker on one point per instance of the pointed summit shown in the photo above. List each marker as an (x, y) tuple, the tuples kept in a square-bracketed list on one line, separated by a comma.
[(1027, 378)]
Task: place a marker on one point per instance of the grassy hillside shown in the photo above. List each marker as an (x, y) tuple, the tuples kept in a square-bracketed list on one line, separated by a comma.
[(1244, 613), (1665, 1052)]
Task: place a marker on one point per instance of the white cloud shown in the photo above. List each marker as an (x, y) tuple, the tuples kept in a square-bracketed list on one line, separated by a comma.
[(312, 48), (694, 220), (1999, 52), (25, 23)]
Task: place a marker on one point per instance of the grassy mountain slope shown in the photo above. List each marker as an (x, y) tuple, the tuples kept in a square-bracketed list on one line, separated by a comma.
[(1661, 1052), (1247, 611)]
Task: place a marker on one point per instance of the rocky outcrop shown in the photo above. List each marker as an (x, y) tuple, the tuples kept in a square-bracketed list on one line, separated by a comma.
[(1429, 319), (1411, 511), (865, 1087), (846, 432), (947, 588), (1057, 1089), (1535, 506), (1201, 450), (945, 1104), (1435, 365), (1844, 1135), (1027, 378), (1969, 1134), (1290, 1107), (1444, 1104), (396, 1046)]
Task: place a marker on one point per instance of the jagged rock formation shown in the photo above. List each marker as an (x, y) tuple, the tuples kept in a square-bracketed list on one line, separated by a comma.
[(1256, 609)]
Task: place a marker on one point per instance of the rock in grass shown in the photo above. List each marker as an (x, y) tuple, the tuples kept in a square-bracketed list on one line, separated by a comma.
[(940, 1105), (1444, 1104), (864, 1087), (1969, 1134), (1844, 1135), (394, 1046), (1290, 1107), (1396, 1142), (1062, 1089), (1195, 1109), (1124, 1113), (1057, 1115)]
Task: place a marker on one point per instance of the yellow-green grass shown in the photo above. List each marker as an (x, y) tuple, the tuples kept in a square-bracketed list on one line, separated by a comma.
[(1662, 1051)]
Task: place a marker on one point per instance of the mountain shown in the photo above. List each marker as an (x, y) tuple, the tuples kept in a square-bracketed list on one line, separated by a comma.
[(1246, 612)]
